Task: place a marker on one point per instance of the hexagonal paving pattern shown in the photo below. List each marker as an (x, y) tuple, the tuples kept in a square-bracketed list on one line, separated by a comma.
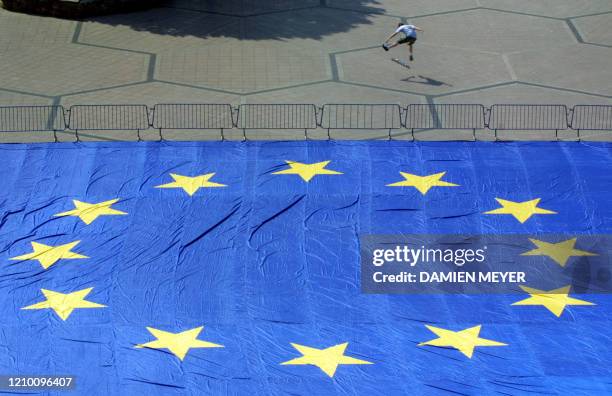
[(578, 67), (520, 93), (22, 28), (553, 8), (596, 29), (242, 7), (403, 7), (159, 29), (150, 94), (436, 70), (319, 29), (493, 31), (243, 66), (61, 69), (16, 99), (343, 93)]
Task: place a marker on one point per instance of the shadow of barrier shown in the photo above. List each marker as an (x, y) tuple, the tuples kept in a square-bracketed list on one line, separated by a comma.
[(305, 117), (33, 119)]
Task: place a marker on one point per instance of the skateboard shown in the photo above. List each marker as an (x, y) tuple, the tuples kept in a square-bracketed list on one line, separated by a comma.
[(401, 62)]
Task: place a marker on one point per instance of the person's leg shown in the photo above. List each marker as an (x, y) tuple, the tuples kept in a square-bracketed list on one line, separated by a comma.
[(410, 46), (393, 45)]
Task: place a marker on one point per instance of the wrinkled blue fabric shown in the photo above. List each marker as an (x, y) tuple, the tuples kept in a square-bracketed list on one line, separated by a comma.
[(271, 260)]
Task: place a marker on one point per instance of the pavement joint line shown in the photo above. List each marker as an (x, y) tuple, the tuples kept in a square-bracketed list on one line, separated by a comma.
[(151, 67), (564, 89), (26, 93), (179, 84), (131, 84), (446, 12), (574, 29), (590, 15), (522, 13), (333, 62), (289, 87), (256, 14)]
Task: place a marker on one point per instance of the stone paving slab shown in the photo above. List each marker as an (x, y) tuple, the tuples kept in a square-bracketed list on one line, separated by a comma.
[(313, 51), (551, 8), (596, 29)]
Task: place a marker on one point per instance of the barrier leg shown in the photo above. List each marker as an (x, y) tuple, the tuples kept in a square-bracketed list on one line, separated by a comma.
[(557, 135), (390, 134), (578, 134), (328, 134), (76, 133), (161, 137), (222, 135), (412, 134), (474, 130), (305, 134), (244, 138), (495, 134), (138, 135), (55, 135)]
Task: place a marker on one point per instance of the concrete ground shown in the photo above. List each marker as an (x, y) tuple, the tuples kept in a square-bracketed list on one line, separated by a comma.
[(313, 51)]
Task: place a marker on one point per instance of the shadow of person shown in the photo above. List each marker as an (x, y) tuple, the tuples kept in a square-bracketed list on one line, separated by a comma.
[(426, 81), (247, 19)]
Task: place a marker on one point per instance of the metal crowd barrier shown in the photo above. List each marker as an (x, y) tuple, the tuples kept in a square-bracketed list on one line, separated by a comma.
[(277, 116), (193, 116), (109, 118), (361, 116), (306, 117), (445, 116), (519, 117), (32, 119), (591, 117)]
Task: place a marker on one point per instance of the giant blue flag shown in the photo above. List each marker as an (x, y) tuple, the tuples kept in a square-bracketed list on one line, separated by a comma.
[(234, 268)]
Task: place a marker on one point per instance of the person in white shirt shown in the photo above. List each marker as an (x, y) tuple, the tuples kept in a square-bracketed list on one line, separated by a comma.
[(409, 33)]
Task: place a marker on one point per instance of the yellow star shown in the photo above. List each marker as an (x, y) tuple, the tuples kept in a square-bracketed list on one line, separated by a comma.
[(464, 340), (422, 183), (327, 359), (191, 184), (521, 211), (178, 343), (64, 304), (560, 252), (89, 212), (554, 300), (48, 255), (307, 171)]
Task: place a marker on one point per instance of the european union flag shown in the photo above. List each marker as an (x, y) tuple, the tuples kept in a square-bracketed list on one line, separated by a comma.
[(234, 268)]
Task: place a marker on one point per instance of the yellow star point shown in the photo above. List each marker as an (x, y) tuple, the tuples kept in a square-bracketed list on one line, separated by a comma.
[(307, 171), (191, 184), (177, 343), (560, 252), (327, 359), (422, 183), (64, 304), (88, 212), (554, 300), (521, 211), (464, 340), (48, 255)]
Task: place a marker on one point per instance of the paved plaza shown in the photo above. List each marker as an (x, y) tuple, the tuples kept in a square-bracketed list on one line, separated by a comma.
[(313, 51)]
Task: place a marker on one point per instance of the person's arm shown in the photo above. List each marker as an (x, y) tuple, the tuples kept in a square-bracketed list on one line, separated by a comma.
[(391, 36), (418, 29)]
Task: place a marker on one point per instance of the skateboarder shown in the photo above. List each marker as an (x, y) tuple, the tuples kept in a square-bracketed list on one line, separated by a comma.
[(410, 36)]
